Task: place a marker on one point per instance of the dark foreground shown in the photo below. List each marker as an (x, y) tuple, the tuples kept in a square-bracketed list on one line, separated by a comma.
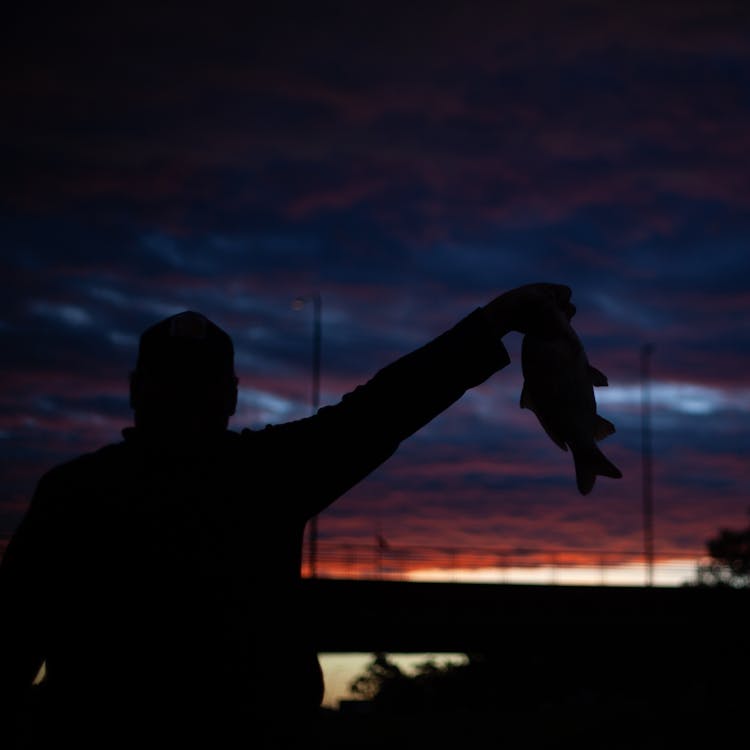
[(550, 667), (625, 726), (587, 667)]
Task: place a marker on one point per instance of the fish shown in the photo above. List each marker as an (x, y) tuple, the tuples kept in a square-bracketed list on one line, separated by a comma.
[(558, 388)]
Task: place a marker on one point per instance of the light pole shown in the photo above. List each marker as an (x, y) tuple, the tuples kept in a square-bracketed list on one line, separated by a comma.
[(648, 501), (317, 304)]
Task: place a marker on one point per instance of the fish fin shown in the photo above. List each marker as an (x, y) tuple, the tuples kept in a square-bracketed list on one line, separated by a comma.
[(528, 403), (598, 378), (592, 463), (602, 428), (558, 441), (553, 436)]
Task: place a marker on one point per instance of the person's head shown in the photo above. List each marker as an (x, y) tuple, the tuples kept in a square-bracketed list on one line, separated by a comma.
[(184, 381)]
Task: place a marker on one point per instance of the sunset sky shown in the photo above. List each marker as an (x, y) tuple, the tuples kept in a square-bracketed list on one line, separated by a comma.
[(408, 161)]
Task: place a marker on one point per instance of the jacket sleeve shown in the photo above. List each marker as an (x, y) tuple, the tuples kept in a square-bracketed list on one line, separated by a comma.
[(333, 450)]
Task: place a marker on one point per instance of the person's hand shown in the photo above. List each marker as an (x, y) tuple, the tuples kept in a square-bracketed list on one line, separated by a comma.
[(541, 309)]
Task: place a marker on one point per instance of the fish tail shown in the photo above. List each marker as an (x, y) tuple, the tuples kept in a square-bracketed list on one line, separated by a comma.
[(590, 464)]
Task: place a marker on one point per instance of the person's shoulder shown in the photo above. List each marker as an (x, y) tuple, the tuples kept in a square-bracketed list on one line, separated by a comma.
[(96, 461), (103, 454)]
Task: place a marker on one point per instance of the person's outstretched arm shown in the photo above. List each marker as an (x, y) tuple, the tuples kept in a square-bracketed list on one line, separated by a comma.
[(343, 443)]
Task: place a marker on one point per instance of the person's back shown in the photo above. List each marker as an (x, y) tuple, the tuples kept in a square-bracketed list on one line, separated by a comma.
[(161, 573), (168, 552)]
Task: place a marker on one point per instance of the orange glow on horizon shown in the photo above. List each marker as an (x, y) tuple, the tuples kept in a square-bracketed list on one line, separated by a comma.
[(547, 567)]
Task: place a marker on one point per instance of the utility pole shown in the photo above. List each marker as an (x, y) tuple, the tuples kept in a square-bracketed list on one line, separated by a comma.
[(317, 303), (646, 462)]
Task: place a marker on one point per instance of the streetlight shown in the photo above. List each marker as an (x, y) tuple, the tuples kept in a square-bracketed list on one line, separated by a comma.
[(317, 304), (648, 502)]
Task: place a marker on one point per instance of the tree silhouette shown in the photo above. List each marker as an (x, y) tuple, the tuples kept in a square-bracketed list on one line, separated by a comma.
[(730, 559), (434, 688), (386, 686), (558, 691)]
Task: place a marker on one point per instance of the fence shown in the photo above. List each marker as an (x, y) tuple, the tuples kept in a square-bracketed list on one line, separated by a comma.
[(577, 566)]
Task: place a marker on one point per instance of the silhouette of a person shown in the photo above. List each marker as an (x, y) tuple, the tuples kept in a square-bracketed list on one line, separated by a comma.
[(158, 578)]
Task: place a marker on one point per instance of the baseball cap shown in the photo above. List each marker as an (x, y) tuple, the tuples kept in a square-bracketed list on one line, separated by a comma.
[(186, 345)]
